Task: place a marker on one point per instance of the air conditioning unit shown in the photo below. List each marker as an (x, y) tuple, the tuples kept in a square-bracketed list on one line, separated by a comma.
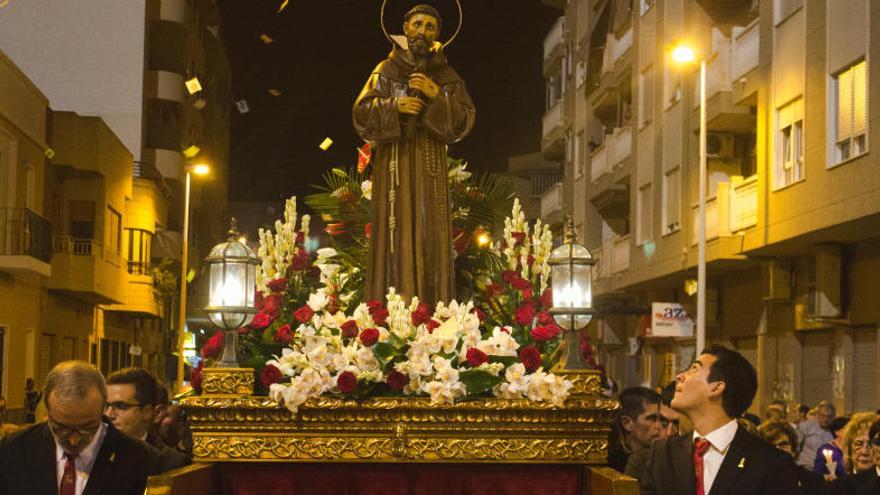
[(825, 291), (719, 145)]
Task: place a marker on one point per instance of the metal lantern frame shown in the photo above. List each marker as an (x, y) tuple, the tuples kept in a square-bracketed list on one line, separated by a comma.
[(232, 317), (573, 359)]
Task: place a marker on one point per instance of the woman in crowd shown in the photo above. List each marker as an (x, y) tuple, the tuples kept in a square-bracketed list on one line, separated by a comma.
[(781, 435), (857, 456), (829, 457)]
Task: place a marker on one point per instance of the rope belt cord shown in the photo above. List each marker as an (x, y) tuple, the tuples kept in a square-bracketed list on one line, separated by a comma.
[(394, 178)]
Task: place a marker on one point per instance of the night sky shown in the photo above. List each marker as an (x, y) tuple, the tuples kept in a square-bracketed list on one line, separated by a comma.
[(320, 57)]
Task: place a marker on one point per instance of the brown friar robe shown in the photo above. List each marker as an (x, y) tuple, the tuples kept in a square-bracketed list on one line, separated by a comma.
[(411, 240)]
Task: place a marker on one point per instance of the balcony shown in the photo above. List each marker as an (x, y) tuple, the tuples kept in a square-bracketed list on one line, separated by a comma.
[(613, 257), (25, 242), (553, 132), (551, 205), (620, 146), (554, 42), (615, 49), (722, 112), (85, 270), (141, 298), (745, 51), (620, 254), (730, 12), (733, 209), (599, 164)]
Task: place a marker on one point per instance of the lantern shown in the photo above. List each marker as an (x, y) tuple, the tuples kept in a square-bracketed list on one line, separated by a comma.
[(232, 271)]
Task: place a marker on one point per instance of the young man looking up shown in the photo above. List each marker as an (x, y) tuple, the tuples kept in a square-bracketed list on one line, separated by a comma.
[(638, 424), (719, 457)]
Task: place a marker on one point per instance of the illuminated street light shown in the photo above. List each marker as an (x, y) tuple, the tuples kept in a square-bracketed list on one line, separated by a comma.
[(684, 54), (201, 169)]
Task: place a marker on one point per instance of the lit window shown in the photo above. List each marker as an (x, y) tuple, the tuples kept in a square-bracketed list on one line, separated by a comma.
[(789, 162), (850, 107)]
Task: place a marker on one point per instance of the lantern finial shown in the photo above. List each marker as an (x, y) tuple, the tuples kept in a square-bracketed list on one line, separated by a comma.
[(571, 234), (233, 233)]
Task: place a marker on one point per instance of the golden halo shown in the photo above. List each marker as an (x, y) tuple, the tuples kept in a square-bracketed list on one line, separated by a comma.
[(454, 35)]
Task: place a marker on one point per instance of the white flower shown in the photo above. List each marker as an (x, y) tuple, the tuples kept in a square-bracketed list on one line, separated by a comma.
[(367, 189), (326, 253), (517, 382), (318, 300), (499, 344)]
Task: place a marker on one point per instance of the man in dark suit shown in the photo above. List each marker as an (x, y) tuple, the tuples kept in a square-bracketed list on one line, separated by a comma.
[(74, 452), (131, 406), (719, 457)]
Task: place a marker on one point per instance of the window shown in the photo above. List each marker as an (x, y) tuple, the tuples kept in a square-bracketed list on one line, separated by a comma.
[(644, 214), (672, 201), (785, 8), (646, 96), (789, 165), (114, 230), (30, 185), (849, 110), (82, 219), (139, 251)]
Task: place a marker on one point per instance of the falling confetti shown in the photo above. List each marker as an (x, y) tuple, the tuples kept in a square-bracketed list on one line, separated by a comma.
[(242, 106), (191, 151), (326, 144), (265, 38), (364, 153), (282, 7), (193, 85), (50, 153), (190, 275), (274, 92)]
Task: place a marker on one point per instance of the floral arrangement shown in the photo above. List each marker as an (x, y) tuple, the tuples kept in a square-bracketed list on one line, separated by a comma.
[(315, 335)]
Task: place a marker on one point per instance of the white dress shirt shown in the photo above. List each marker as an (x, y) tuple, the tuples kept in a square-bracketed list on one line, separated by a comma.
[(719, 440), (84, 461)]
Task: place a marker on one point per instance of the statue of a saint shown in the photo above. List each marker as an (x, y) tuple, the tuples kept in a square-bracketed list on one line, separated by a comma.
[(412, 106)]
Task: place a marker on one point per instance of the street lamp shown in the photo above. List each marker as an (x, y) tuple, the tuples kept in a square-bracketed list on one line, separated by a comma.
[(571, 278), (685, 55), (232, 271), (199, 169)]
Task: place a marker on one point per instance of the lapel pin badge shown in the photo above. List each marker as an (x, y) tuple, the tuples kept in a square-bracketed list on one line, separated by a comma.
[(742, 463), (113, 458)]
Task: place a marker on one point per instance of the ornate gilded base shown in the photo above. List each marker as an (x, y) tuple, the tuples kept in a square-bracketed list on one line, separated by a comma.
[(228, 381), (328, 429)]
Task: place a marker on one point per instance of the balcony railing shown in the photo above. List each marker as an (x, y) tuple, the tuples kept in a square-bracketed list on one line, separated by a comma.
[(555, 37), (139, 268), (551, 201), (599, 163), (24, 233), (743, 203), (76, 246), (552, 120), (746, 43), (621, 145), (620, 260)]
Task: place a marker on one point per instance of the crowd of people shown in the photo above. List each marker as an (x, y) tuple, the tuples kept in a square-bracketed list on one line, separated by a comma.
[(695, 435), (101, 435)]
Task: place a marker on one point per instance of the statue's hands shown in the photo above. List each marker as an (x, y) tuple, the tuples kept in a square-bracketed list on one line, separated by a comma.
[(409, 105), (423, 83)]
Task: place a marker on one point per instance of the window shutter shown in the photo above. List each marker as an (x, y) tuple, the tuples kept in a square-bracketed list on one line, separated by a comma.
[(865, 370), (844, 105), (860, 98), (816, 367)]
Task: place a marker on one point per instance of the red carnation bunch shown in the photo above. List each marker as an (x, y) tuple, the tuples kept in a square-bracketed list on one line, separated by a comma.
[(284, 335), (270, 375), (476, 357), (530, 357), (377, 312), (349, 329), (396, 380), (421, 315), (214, 346), (346, 382), (304, 314), (261, 321), (369, 336)]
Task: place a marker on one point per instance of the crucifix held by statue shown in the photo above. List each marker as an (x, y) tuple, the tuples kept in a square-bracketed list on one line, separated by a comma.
[(412, 106)]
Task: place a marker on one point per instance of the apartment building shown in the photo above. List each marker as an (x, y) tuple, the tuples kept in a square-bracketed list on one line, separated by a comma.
[(793, 191), (68, 214), (135, 65)]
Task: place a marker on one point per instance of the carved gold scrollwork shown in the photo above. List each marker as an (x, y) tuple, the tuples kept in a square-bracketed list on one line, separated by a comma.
[(228, 381)]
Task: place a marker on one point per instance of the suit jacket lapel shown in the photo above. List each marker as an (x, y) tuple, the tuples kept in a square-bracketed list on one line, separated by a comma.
[(736, 460), (39, 458), (104, 462), (682, 456)]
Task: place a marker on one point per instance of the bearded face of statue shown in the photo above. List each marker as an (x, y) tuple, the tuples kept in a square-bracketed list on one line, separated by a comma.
[(421, 31)]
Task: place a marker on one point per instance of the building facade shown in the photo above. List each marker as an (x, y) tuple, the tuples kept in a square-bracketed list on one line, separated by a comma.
[(132, 70), (793, 199)]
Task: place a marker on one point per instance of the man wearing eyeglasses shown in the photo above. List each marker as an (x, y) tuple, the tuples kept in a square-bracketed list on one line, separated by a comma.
[(74, 451), (131, 406)]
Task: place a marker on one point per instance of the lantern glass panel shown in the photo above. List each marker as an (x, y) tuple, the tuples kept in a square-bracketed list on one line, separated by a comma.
[(235, 280), (215, 295)]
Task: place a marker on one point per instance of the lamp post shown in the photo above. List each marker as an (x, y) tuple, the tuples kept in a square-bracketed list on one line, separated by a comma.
[(232, 271), (198, 169), (684, 54), (571, 278)]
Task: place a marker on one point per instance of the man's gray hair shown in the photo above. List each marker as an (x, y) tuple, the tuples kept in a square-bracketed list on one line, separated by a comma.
[(72, 380)]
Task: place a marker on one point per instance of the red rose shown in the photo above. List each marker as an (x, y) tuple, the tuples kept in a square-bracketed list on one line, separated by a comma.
[(547, 298), (545, 318), (518, 238), (300, 261), (284, 335), (380, 316), (373, 304), (544, 333), (526, 293), (303, 314), (530, 357), (278, 285), (369, 336), (530, 260), (214, 346), (493, 290), (195, 376), (524, 314), (270, 305), (421, 314), (270, 375), (300, 237), (368, 230), (261, 321), (432, 325), (396, 380), (349, 329), (481, 315), (520, 283), (346, 382), (476, 357), (509, 276)]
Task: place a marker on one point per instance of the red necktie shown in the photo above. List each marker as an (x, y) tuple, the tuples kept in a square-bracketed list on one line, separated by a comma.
[(68, 480), (701, 445)]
